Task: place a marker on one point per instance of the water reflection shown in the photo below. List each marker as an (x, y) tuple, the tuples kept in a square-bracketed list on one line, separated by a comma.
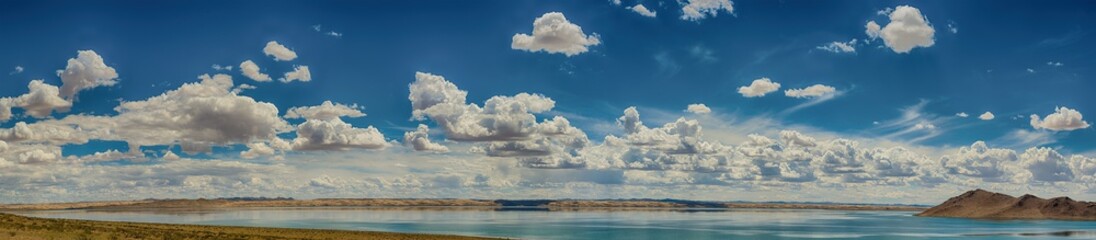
[(608, 223)]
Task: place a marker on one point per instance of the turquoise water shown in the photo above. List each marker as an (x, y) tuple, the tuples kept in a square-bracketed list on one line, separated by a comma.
[(528, 223)]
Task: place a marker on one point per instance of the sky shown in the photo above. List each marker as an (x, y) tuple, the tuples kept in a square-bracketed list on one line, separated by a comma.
[(842, 101)]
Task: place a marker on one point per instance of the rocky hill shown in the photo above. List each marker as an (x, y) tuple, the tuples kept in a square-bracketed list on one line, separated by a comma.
[(985, 204)]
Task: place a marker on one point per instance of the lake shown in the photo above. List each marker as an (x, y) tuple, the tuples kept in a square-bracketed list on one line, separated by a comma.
[(535, 223)]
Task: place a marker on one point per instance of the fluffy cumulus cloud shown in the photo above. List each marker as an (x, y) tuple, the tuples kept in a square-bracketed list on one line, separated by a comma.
[(680, 146), (420, 140), (336, 135), (324, 129), (677, 145), (872, 29), (1045, 165), (279, 52), (252, 71), (1034, 165), (698, 108), (642, 10), (982, 162), (696, 10), (325, 111), (87, 70), (299, 73), (202, 114), (501, 117), (552, 33), (505, 125), (40, 101), (962, 115), (906, 30), (817, 90), (986, 116), (5, 109), (1063, 119), (254, 150), (758, 88)]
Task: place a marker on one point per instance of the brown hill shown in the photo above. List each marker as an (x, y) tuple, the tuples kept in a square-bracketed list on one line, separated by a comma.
[(984, 204)]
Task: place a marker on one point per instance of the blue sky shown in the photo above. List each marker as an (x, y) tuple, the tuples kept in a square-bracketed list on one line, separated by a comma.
[(1013, 59)]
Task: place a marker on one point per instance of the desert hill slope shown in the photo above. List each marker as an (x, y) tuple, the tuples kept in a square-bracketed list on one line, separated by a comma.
[(985, 204)]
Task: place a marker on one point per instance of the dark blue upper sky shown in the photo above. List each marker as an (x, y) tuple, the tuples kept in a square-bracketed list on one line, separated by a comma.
[(662, 62)]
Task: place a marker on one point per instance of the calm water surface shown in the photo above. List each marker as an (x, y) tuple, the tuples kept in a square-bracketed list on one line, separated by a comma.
[(527, 223)]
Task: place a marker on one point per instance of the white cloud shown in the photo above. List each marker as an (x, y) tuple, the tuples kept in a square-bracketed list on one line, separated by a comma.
[(323, 129), (32, 154), (204, 113), (218, 67), (1055, 64), (674, 146), (18, 70), (552, 33), (615, 2), (1030, 70), (325, 111), (299, 73), (759, 87), (952, 28), (243, 86), (335, 134), (505, 125), (86, 71), (982, 162), (501, 117), (42, 133), (924, 126), (170, 156), (4, 110), (698, 108), (40, 101), (642, 10), (885, 12), (1063, 119), (251, 70), (334, 34), (962, 115), (696, 10), (1046, 165), (986, 116), (795, 139), (907, 29), (254, 150), (279, 52), (872, 29), (814, 91), (420, 140), (839, 47)]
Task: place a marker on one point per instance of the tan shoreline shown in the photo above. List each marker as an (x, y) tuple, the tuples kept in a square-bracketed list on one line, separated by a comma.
[(405, 203), (15, 227)]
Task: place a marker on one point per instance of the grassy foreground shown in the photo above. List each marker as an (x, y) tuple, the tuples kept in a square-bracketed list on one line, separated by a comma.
[(19, 228)]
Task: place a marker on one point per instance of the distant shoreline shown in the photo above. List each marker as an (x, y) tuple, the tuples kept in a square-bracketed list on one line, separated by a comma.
[(565, 205)]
